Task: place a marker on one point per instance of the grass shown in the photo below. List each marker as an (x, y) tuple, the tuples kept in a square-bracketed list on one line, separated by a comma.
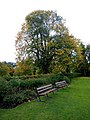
[(71, 103)]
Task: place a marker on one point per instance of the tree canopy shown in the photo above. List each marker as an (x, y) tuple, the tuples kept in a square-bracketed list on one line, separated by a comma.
[(45, 40)]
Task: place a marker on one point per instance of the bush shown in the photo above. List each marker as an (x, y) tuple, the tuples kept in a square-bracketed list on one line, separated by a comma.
[(39, 82), (68, 80), (3, 89), (14, 83), (2, 79), (72, 75), (32, 84), (12, 100), (28, 94), (13, 86), (7, 77), (27, 84), (56, 78)]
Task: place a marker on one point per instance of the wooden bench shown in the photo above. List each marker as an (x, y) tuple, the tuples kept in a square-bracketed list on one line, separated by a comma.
[(45, 90), (61, 84)]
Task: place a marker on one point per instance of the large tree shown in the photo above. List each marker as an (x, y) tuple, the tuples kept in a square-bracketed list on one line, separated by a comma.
[(44, 39)]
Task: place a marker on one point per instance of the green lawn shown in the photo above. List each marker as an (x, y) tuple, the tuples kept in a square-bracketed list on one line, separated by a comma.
[(72, 103)]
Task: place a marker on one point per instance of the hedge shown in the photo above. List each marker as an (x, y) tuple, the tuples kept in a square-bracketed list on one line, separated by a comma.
[(17, 91)]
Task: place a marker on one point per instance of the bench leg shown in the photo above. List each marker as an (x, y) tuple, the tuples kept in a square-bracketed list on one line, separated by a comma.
[(47, 95), (39, 98)]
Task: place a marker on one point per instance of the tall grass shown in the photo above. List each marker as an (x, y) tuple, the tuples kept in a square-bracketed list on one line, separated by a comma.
[(72, 103)]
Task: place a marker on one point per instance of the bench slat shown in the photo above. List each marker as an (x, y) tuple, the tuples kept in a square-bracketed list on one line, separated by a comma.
[(45, 89), (45, 93), (44, 86)]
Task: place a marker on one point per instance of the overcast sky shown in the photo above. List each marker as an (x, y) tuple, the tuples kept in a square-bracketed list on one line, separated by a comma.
[(13, 13)]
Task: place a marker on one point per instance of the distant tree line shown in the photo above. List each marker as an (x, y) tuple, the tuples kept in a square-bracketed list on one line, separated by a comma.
[(7, 68), (84, 65)]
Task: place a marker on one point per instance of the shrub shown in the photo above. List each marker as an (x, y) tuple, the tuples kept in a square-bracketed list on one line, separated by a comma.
[(39, 82), (27, 84), (13, 86), (67, 79), (28, 94), (2, 79), (14, 83), (12, 100), (73, 75), (56, 78), (3, 89), (7, 77), (32, 84)]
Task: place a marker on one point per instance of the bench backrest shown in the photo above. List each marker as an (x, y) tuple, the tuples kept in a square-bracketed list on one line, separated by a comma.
[(44, 88), (61, 84)]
